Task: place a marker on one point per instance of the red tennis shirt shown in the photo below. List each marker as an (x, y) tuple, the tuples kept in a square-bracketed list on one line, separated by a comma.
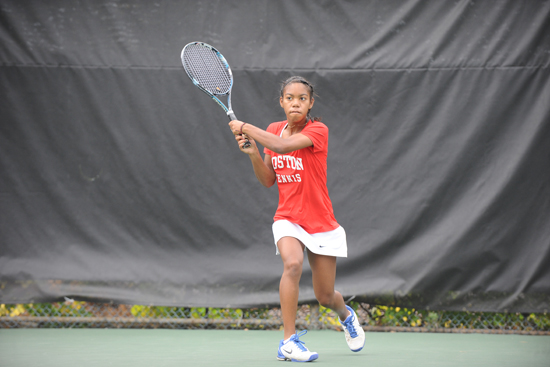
[(302, 181)]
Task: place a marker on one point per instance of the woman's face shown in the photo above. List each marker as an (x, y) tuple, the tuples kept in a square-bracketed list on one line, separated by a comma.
[(296, 102)]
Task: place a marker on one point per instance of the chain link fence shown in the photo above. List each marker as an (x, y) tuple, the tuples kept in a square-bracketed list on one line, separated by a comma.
[(79, 314)]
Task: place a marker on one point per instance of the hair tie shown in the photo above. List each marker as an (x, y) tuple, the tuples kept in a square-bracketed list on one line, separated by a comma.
[(244, 123)]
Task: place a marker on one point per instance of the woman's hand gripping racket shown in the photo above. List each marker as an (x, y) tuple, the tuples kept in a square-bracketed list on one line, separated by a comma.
[(210, 72)]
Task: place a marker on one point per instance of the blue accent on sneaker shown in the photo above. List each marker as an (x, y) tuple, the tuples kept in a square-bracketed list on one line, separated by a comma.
[(296, 339), (348, 323), (280, 355)]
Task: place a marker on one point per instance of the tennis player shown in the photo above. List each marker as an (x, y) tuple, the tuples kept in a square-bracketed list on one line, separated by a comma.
[(296, 158)]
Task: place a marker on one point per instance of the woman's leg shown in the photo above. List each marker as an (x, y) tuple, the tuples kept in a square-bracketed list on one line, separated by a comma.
[(323, 270), (292, 254)]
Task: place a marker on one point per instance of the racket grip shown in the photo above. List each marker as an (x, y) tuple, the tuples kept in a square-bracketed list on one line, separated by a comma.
[(232, 117)]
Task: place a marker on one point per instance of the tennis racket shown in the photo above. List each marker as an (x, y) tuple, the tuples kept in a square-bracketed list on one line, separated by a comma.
[(210, 72)]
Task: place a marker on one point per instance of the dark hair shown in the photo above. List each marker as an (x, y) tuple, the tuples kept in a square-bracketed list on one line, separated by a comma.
[(299, 79)]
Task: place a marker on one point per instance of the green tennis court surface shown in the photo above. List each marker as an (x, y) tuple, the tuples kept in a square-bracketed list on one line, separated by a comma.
[(159, 348)]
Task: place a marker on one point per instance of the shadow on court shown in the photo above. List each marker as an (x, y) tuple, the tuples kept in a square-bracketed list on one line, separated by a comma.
[(159, 348)]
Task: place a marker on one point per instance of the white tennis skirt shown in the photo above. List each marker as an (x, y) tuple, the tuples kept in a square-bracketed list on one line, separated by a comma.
[(331, 243)]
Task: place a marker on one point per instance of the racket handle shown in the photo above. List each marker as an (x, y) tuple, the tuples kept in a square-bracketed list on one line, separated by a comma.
[(232, 117)]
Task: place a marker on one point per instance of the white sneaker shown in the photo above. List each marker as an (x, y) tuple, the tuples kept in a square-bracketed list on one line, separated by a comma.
[(294, 350), (355, 335)]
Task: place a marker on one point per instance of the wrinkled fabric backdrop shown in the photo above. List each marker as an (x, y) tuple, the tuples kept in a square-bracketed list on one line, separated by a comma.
[(120, 181)]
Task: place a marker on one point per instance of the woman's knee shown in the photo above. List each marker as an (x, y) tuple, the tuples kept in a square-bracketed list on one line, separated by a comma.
[(293, 267)]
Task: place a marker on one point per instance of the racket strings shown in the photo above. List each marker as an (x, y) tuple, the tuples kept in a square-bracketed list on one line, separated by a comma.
[(207, 68)]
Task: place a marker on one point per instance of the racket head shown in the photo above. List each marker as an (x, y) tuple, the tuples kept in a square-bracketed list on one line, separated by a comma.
[(207, 68)]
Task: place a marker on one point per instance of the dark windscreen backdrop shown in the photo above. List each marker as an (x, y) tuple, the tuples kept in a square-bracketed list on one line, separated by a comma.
[(120, 181)]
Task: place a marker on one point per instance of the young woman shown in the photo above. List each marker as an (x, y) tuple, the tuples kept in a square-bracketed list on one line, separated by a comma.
[(296, 158)]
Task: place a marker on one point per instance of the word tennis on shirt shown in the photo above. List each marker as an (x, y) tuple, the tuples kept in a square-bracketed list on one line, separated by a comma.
[(282, 161)]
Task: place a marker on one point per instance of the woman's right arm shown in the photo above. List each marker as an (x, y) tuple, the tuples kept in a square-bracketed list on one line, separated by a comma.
[(263, 168)]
